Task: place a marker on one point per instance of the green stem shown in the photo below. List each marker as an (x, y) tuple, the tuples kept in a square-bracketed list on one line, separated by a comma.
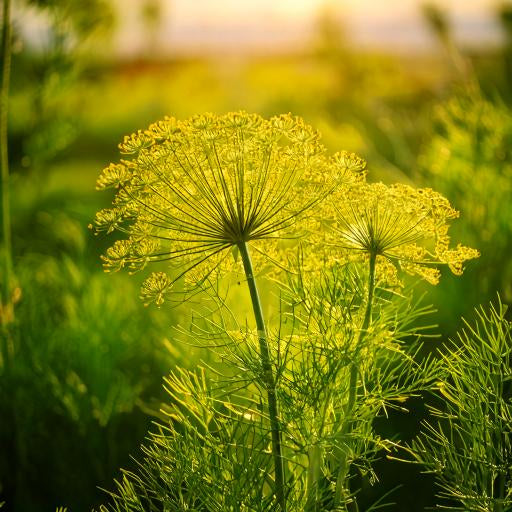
[(362, 334), (4, 160), (354, 374), (268, 377), (315, 457), (371, 291)]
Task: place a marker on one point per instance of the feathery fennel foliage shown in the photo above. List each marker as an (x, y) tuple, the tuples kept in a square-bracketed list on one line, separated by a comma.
[(330, 409), (213, 453), (469, 447), (287, 419)]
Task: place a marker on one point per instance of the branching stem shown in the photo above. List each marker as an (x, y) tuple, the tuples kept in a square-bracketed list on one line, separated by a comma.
[(267, 375)]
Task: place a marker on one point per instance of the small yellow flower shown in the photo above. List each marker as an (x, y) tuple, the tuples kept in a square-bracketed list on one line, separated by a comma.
[(155, 288)]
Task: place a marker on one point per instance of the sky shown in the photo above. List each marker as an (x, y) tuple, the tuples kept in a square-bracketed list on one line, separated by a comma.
[(237, 25), (202, 26)]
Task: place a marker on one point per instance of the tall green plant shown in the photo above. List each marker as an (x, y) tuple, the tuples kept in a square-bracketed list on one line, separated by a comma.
[(213, 453), (196, 189), (397, 228), (201, 194)]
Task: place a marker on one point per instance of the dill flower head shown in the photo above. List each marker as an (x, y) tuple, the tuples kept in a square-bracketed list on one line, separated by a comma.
[(401, 225), (189, 190)]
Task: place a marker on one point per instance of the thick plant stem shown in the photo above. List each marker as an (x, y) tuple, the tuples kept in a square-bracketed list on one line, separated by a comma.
[(315, 457), (354, 374), (268, 377), (4, 160)]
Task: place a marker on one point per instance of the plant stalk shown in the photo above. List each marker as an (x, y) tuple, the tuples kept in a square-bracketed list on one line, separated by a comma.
[(315, 457), (4, 159), (362, 334), (268, 376), (354, 374)]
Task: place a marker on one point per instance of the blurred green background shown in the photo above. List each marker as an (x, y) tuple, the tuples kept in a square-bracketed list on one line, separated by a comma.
[(83, 360)]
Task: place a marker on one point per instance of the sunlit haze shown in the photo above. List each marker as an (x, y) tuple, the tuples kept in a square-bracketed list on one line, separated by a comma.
[(202, 26)]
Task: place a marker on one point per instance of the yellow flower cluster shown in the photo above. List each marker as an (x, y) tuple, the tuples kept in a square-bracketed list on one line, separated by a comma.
[(188, 191), (191, 189), (398, 224)]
